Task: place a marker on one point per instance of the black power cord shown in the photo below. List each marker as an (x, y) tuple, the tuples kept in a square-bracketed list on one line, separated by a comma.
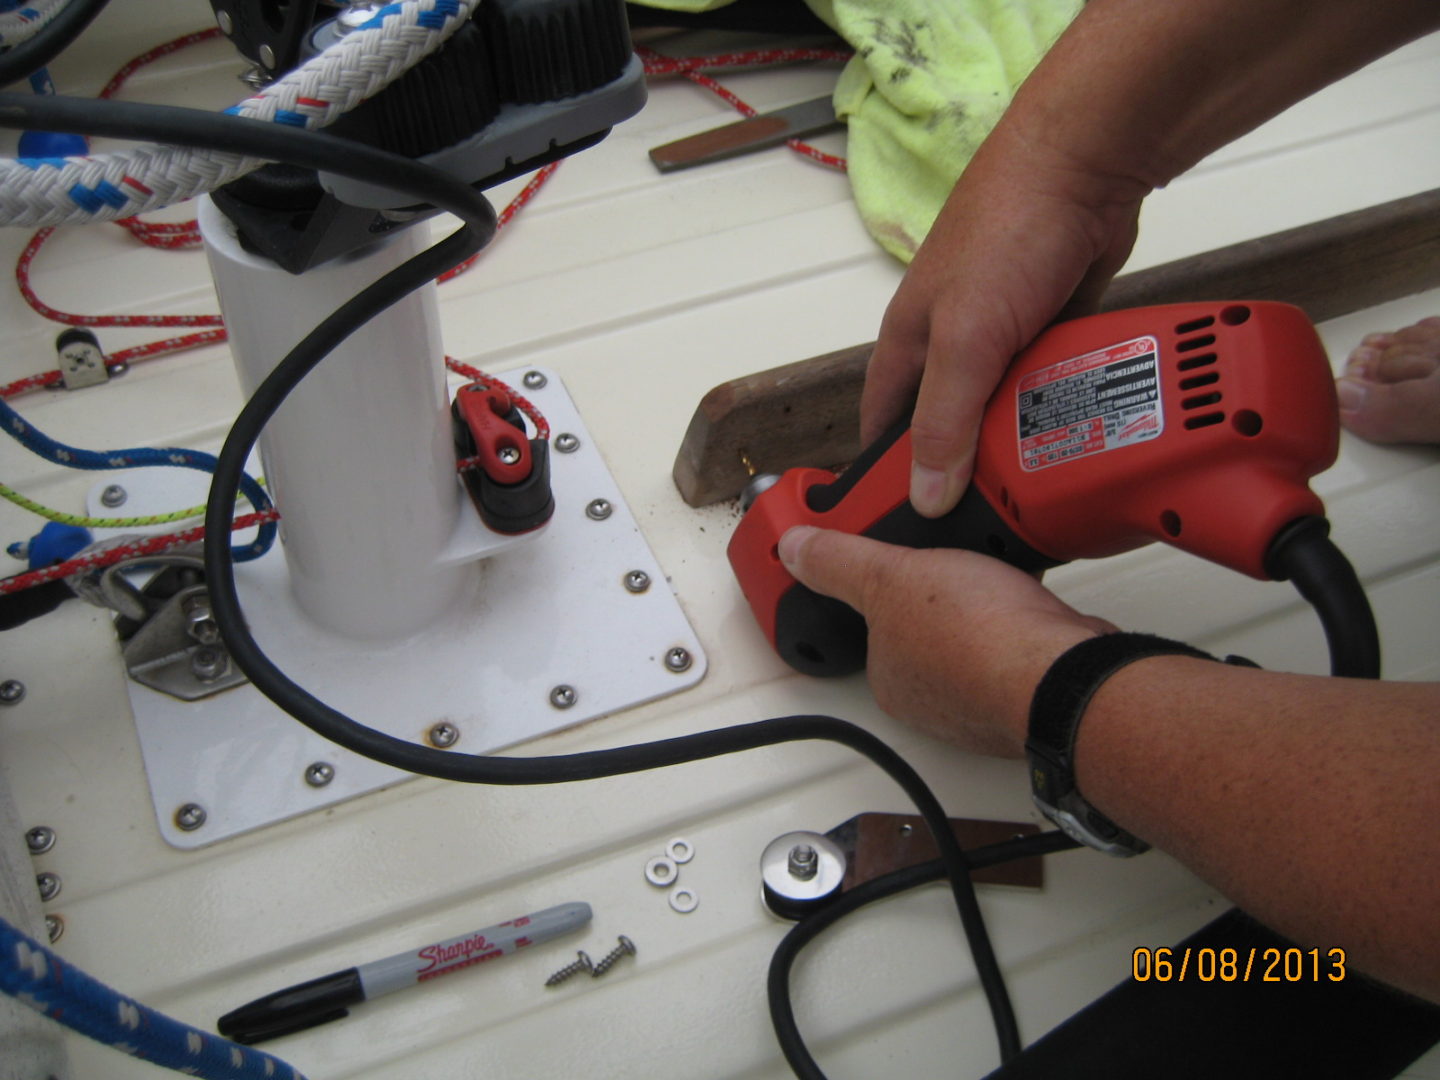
[(777, 982), (1303, 552), (320, 151)]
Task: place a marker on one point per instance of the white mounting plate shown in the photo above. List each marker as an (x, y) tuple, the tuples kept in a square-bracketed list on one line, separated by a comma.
[(549, 611)]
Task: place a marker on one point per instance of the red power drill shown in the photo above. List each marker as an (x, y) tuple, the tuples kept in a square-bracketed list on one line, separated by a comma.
[(1197, 424)]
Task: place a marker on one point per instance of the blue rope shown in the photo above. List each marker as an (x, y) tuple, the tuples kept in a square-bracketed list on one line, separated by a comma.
[(35, 976), (20, 429)]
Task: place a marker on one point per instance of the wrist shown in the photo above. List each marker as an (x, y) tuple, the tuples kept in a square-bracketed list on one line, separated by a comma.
[(1056, 712)]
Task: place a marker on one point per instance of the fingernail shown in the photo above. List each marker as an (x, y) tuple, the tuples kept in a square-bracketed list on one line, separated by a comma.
[(1352, 394), (791, 543), (927, 489)]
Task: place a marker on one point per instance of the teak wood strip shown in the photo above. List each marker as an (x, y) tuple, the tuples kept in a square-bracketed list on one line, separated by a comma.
[(807, 413)]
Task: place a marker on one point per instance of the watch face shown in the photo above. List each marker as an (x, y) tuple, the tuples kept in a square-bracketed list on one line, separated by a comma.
[(1118, 843)]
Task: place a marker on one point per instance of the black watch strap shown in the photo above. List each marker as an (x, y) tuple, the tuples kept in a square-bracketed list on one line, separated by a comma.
[(1056, 709)]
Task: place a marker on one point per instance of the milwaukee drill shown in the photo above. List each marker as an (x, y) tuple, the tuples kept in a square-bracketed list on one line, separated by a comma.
[(1197, 424)]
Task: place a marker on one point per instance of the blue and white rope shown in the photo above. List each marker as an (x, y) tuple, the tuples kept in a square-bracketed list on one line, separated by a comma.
[(37, 977), (102, 187), (20, 429), (24, 21)]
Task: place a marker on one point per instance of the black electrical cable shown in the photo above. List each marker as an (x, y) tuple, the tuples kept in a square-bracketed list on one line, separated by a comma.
[(29, 56), (777, 983), (1303, 552), (319, 151)]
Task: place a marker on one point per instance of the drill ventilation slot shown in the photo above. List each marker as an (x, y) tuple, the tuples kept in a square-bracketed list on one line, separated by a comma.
[(1187, 362)]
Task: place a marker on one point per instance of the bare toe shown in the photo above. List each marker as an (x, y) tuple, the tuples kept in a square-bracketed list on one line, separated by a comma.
[(1402, 362), (1409, 353), (1396, 412)]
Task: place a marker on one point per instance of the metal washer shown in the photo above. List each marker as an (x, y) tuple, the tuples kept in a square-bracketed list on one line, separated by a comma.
[(661, 871), (684, 900), (680, 850)]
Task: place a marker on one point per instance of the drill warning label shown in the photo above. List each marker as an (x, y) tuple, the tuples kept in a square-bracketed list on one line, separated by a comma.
[(1089, 404)]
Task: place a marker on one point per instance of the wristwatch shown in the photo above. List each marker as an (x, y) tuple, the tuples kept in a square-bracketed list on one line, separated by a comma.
[(1055, 713)]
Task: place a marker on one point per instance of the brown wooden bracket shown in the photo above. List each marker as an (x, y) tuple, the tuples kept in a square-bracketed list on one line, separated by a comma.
[(807, 413)]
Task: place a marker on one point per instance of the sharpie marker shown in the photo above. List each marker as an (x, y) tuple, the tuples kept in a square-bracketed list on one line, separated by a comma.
[(328, 998)]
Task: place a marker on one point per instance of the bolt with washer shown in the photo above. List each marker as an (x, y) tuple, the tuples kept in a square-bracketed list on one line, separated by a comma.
[(208, 663), (804, 862), (614, 956)]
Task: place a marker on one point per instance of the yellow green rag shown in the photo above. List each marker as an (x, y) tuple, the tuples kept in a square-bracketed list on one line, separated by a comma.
[(928, 81)]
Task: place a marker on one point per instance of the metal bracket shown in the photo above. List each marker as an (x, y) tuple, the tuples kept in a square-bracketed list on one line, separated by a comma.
[(177, 650), (803, 871)]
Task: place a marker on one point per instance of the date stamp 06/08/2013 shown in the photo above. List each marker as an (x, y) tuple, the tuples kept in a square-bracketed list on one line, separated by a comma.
[(1242, 965)]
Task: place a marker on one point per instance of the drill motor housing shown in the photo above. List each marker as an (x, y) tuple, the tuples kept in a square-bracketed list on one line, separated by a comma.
[(1197, 424)]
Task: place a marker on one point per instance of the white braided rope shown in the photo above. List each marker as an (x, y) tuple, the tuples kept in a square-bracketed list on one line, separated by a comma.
[(24, 23), (108, 186)]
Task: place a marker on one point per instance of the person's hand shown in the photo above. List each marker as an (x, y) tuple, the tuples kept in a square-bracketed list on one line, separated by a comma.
[(1025, 236), (958, 640)]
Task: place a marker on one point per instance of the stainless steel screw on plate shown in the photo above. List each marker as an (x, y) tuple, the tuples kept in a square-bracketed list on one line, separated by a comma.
[(614, 956), (584, 963), (190, 817), (637, 581), (678, 659), (40, 839), (48, 883), (54, 926), (534, 380), (599, 509), (12, 692), (319, 774), (562, 697), (444, 735), (566, 443)]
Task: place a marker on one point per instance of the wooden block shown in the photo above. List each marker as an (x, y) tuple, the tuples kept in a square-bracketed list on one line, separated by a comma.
[(807, 413)]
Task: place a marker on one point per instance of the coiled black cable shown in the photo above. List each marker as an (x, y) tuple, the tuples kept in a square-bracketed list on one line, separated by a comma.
[(777, 982), (320, 151)]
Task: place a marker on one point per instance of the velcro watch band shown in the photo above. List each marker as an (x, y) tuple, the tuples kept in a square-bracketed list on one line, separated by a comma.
[(1056, 710)]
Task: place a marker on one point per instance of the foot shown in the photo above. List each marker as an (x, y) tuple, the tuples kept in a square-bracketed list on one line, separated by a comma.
[(1390, 390)]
